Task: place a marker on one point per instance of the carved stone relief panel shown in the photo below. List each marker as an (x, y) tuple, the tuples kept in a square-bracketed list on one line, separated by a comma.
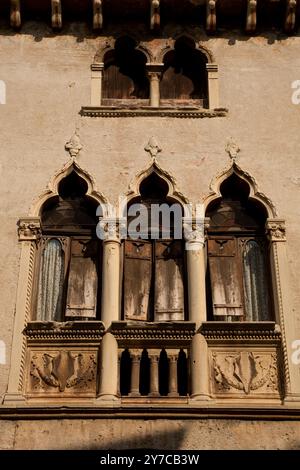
[(62, 372), (246, 373)]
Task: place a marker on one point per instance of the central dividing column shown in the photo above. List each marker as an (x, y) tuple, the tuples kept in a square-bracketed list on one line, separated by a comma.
[(110, 311), (154, 74), (154, 372), (135, 373)]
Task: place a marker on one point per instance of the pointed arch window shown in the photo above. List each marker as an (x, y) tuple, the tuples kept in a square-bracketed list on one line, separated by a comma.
[(69, 255), (154, 285), (238, 277)]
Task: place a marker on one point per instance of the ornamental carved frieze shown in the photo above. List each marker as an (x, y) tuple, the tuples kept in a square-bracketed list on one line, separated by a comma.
[(62, 372), (276, 230), (29, 229), (245, 372)]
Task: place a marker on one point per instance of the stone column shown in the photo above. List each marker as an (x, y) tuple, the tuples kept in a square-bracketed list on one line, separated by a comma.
[(29, 233), (196, 270), (108, 389), (154, 372), (283, 309), (96, 84), (213, 85), (154, 74), (173, 376), (135, 373), (110, 307), (199, 367)]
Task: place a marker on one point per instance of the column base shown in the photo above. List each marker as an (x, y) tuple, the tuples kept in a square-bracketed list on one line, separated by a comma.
[(292, 398), (173, 394), (107, 397), (134, 394), (154, 394), (14, 399), (200, 397)]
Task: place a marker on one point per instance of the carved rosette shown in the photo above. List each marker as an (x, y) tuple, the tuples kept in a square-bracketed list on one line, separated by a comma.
[(29, 229), (246, 373), (62, 372), (276, 231)]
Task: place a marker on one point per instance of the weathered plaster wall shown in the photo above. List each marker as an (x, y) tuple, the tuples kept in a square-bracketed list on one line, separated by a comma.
[(150, 434), (48, 80)]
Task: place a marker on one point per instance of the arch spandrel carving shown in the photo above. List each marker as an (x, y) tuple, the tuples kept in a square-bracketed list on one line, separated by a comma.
[(110, 43), (52, 187), (254, 194)]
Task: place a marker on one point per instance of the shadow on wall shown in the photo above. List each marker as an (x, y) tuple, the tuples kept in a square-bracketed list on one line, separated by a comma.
[(162, 439)]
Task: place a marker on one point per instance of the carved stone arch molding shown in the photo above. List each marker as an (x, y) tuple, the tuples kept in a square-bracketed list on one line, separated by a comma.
[(52, 188), (254, 194), (109, 45), (170, 43), (134, 187)]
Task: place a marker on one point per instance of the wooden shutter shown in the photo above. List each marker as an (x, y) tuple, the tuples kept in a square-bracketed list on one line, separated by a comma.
[(226, 278), (169, 282), (137, 280), (83, 279)]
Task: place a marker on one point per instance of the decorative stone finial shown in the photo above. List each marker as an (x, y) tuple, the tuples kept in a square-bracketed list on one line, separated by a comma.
[(153, 147), (232, 149), (74, 145)]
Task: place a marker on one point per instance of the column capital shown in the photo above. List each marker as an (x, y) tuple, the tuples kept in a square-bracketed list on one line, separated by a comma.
[(154, 67), (29, 229), (111, 229), (276, 230), (193, 230)]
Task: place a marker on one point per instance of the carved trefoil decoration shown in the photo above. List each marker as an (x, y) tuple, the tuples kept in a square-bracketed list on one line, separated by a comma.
[(63, 372), (73, 146), (251, 16), (56, 15), (97, 14), (290, 16), (153, 147), (211, 15), (246, 372), (232, 148), (15, 13)]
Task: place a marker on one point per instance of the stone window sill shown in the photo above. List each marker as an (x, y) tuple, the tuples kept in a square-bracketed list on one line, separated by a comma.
[(146, 111)]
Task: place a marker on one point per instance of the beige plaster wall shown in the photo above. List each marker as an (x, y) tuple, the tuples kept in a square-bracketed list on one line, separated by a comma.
[(133, 434)]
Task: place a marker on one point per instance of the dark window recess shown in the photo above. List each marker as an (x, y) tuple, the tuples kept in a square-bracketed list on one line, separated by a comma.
[(69, 256), (154, 270), (184, 75), (238, 266), (124, 76)]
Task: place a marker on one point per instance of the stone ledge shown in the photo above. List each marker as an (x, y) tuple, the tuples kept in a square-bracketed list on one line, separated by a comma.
[(63, 331), (189, 411), (190, 112), (241, 332)]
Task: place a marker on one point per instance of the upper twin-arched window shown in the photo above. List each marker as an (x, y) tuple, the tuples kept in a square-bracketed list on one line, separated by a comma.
[(182, 75)]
